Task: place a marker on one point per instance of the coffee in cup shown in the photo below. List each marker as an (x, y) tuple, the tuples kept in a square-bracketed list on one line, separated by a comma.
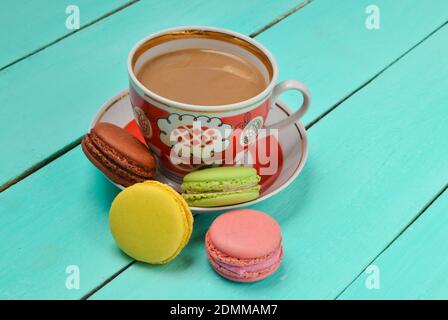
[(202, 77)]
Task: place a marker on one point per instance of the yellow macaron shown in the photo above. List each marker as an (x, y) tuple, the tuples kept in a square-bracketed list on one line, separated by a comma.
[(150, 222)]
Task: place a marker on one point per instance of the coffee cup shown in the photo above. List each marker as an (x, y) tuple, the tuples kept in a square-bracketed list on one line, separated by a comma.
[(165, 121)]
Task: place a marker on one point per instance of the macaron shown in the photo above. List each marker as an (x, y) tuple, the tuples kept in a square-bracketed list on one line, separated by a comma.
[(118, 154), (150, 222), (220, 186), (244, 245)]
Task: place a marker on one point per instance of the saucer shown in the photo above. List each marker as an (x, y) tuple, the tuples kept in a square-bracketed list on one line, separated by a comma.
[(292, 146)]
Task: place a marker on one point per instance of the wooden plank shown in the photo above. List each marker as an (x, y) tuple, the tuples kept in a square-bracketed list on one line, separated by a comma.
[(374, 163), (415, 266), (49, 99), (27, 25), (337, 54), (50, 221)]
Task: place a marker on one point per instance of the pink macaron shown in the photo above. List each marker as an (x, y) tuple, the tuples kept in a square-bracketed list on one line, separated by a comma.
[(244, 245)]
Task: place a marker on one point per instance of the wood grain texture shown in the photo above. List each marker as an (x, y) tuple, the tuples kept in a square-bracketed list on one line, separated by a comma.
[(49, 99), (28, 25), (374, 164), (57, 216), (415, 266)]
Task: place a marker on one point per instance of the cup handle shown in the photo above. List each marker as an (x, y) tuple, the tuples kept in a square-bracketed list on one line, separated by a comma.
[(285, 86)]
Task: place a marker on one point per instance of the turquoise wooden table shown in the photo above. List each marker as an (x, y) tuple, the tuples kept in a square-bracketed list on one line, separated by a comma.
[(367, 218)]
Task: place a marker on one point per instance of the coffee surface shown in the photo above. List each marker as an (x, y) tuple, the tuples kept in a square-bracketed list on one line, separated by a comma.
[(202, 77)]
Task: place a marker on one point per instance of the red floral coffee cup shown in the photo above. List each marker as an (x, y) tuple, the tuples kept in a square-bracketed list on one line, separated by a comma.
[(165, 123)]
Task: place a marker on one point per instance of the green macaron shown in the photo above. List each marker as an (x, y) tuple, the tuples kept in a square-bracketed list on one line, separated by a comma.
[(221, 186)]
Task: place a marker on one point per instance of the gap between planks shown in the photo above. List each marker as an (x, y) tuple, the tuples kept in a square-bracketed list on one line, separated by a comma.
[(107, 281), (41, 164), (32, 53), (425, 208), (280, 18)]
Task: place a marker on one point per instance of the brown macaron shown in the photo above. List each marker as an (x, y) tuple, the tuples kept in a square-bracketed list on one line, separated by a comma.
[(118, 154)]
